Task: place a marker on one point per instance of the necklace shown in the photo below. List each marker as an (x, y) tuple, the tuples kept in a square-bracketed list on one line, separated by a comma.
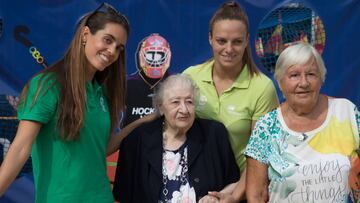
[(183, 175), (148, 83), (183, 163)]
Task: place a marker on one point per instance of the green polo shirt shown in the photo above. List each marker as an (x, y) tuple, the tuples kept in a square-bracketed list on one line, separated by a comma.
[(68, 171), (245, 101)]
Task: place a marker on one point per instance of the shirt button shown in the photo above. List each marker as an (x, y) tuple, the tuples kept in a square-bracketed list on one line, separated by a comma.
[(196, 180)]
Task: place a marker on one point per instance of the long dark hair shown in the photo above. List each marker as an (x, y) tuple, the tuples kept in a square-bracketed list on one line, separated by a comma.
[(70, 73)]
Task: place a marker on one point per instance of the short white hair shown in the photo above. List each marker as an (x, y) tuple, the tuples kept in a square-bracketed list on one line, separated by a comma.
[(171, 81), (298, 54)]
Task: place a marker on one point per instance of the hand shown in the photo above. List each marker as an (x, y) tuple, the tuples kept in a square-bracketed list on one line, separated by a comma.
[(223, 197), (149, 117), (354, 180), (209, 199)]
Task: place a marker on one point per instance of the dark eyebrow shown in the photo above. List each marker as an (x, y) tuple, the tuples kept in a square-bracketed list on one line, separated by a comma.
[(113, 38), (110, 35)]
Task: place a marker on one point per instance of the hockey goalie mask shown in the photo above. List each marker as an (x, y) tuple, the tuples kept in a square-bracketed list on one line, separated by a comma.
[(154, 56)]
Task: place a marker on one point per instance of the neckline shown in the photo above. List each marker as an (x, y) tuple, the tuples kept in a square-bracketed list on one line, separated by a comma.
[(92, 85), (311, 132), (242, 80), (183, 145)]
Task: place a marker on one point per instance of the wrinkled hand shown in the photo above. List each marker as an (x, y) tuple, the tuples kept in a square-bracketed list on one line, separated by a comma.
[(223, 197), (209, 199)]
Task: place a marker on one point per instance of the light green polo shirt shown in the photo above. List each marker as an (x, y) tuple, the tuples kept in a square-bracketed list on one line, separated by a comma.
[(245, 101), (72, 171)]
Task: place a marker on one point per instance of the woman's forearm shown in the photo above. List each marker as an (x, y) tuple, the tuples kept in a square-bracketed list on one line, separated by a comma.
[(239, 191), (18, 153), (256, 181), (115, 139)]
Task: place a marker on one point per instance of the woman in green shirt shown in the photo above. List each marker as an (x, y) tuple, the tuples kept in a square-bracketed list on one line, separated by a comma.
[(68, 112)]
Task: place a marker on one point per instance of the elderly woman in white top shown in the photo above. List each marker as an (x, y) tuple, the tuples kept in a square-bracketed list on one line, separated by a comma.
[(301, 152)]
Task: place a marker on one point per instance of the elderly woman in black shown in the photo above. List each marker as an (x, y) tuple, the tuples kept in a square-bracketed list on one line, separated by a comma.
[(177, 157)]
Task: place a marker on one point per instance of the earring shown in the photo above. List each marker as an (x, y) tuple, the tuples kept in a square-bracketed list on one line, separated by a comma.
[(83, 43)]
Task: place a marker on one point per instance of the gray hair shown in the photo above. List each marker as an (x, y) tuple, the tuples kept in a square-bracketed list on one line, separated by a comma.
[(177, 79), (298, 54)]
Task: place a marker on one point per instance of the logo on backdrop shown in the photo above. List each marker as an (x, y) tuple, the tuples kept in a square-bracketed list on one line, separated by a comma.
[(141, 111), (20, 33)]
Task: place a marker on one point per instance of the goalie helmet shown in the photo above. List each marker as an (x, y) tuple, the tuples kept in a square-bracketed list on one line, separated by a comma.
[(154, 56)]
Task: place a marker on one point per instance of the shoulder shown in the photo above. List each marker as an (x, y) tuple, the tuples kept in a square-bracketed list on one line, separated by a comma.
[(267, 127), (44, 83), (263, 88), (207, 123), (341, 105), (147, 128), (196, 69), (44, 79), (211, 123), (133, 137), (261, 80), (341, 101), (211, 128), (146, 136), (268, 119), (151, 126)]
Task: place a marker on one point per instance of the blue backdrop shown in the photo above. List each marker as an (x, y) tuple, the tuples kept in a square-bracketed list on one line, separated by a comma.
[(48, 26)]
